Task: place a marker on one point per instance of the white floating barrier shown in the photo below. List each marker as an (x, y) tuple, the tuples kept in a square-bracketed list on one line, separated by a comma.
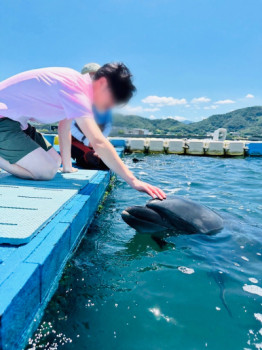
[(175, 146), (214, 148), (156, 145), (146, 144), (234, 148), (194, 147), (135, 144)]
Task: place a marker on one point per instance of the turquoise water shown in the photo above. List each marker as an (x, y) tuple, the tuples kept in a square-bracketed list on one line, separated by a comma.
[(123, 290)]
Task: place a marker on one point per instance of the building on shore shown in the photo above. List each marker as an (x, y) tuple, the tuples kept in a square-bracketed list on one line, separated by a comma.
[(116, 130)]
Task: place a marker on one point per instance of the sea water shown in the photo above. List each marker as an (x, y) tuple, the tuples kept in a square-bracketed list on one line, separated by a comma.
[(124, 290)]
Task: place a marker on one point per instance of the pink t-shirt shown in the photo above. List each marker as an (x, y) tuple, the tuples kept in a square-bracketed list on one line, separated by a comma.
[(46, 95)]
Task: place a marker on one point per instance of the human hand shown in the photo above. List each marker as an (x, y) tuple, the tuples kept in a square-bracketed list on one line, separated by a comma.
[(151, 190), (68, 170)]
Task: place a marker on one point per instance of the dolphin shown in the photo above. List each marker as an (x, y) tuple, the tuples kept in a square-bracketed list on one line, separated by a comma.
[(173, 214)]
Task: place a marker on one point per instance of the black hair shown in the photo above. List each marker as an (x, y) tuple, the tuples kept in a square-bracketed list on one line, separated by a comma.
[(119, 79)]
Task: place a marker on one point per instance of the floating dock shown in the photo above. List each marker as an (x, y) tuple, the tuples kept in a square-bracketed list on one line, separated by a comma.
[(41, 223), (197, 147)]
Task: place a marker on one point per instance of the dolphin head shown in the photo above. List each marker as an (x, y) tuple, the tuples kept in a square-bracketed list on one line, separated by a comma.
[(176, 213), (144, 219)]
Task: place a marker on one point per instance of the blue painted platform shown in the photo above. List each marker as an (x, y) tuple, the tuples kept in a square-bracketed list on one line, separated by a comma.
[(254, 149), (52, 217), (118, 142)]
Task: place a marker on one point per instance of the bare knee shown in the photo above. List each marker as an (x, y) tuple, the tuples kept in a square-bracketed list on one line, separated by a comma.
[(48, 173), (40, 164)]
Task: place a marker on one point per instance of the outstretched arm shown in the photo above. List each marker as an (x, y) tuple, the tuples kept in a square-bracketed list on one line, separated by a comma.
[(108, 154), (65, 140)]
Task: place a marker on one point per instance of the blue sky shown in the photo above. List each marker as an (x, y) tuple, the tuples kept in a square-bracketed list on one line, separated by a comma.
[(190, 58)]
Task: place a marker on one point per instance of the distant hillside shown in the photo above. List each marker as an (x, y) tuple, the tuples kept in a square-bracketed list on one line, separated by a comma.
[(245, 121), (156, 125), (132, 121), (187, 121)]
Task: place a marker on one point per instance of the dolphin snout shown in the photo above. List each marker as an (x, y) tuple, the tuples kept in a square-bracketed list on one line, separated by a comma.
[(143, 219)]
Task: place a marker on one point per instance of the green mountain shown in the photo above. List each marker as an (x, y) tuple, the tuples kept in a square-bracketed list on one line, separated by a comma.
[(245, 122), (155, 126)]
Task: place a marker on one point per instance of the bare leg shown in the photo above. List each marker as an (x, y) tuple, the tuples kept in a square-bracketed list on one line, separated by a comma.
[(52, 152), (37, 165), (15, 169)]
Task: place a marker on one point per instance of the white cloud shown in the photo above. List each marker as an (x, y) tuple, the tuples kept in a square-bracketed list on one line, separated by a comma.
[(155, 109), (137, 109), (152, 117), (164, 101), (211, 107), (176, 117), (250, 96), (202, 99), (224, 102)]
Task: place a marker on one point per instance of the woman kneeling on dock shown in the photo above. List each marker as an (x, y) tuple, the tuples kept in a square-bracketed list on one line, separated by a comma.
[(50, 95)]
